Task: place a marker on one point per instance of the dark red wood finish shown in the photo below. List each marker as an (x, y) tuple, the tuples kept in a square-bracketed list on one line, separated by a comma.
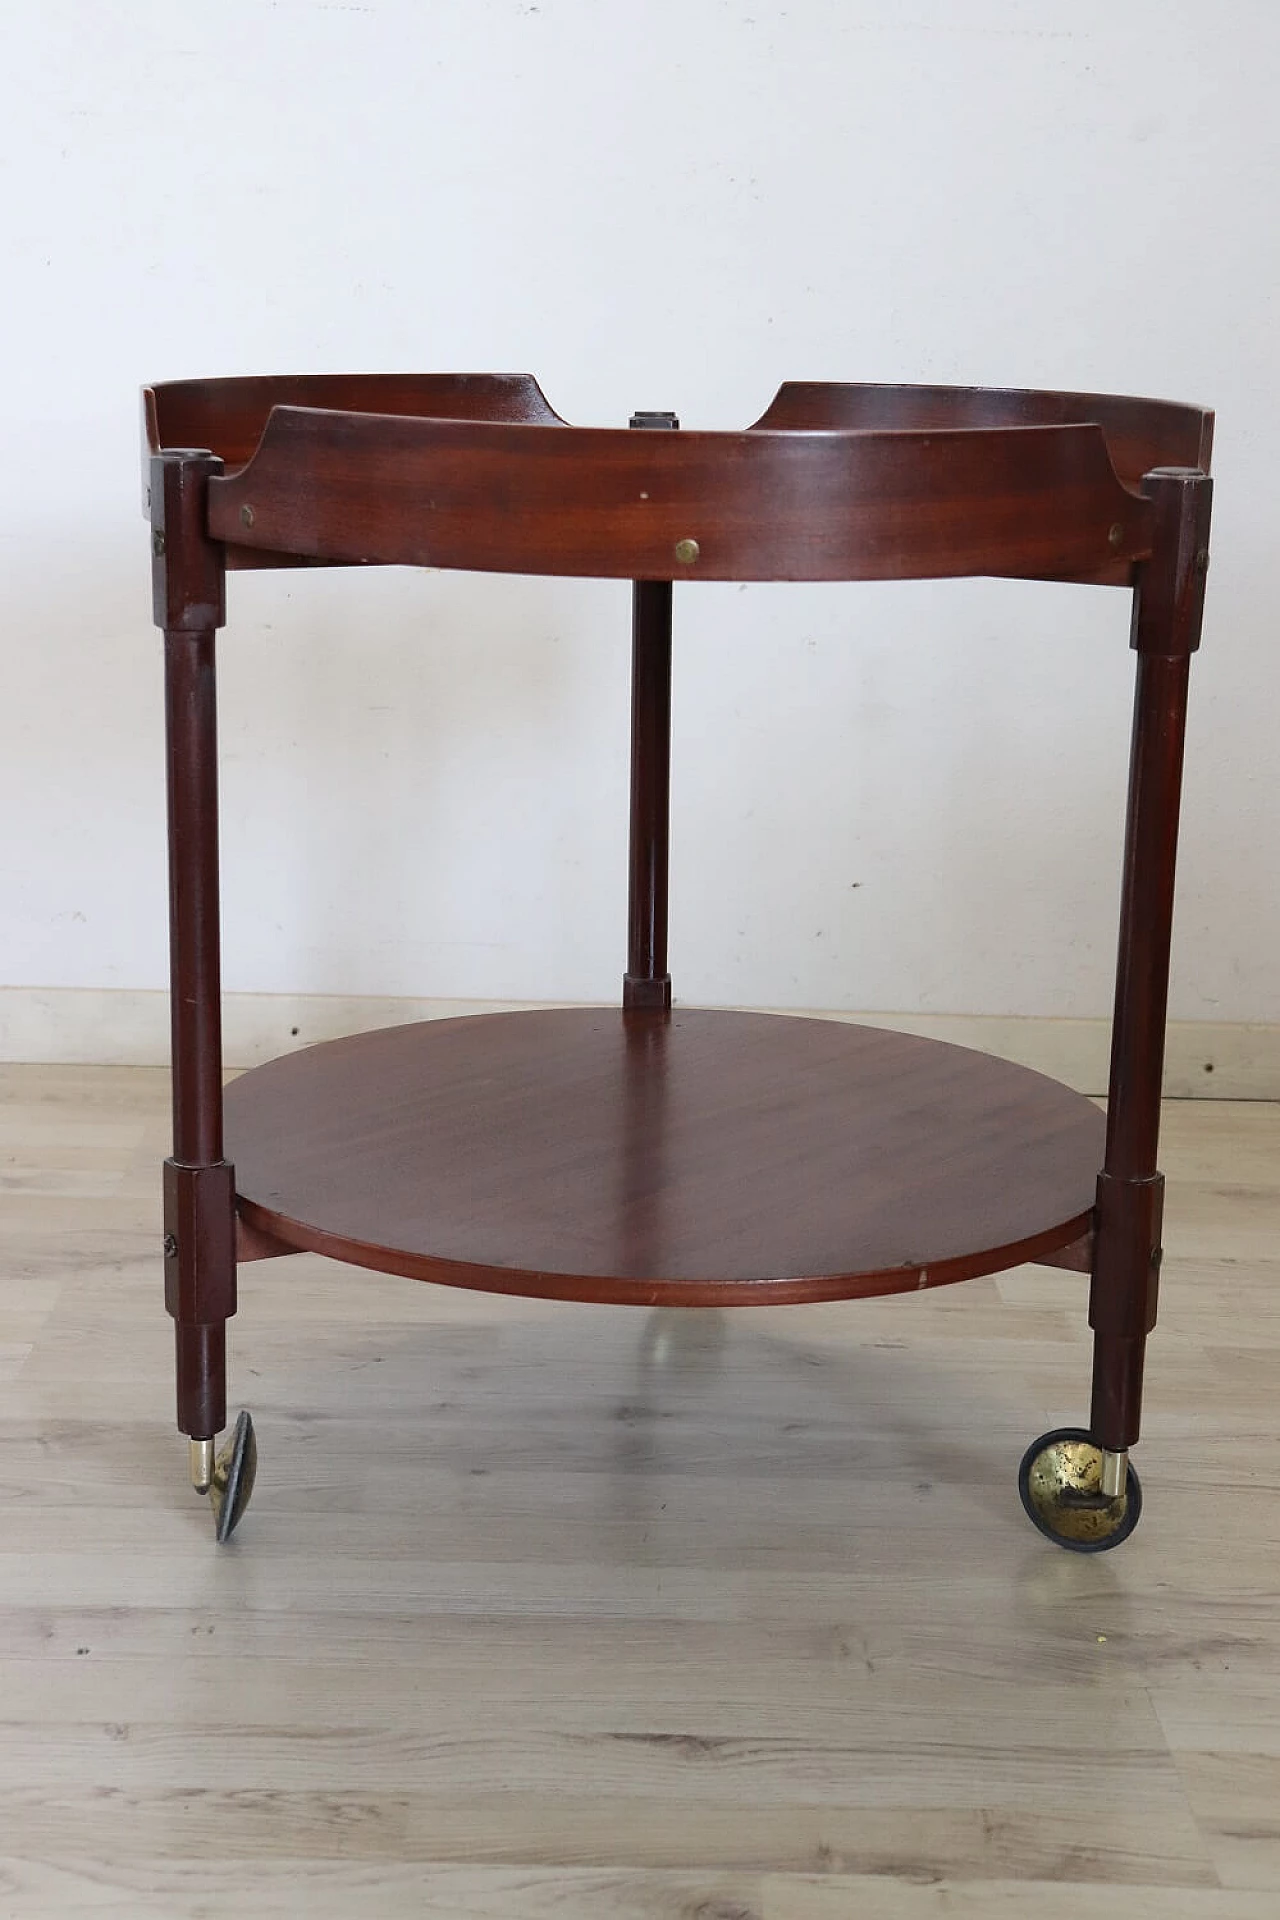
[(228, 416), (696, 1158), (199, 1186), (1039, 502), (647, 983), (646, 1156), (1140, 434), (1167, 612)]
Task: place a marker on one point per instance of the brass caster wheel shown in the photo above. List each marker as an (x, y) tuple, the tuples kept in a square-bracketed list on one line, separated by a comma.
[(234, 1472), (1060, 1481)]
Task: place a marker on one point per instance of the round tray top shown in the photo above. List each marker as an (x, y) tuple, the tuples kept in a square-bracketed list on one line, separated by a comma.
[(832, 482), (696, 1158), (229, 415)]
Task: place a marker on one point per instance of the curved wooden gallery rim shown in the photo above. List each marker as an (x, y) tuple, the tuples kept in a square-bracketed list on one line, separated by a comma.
[(690, 1158), (832, 482)]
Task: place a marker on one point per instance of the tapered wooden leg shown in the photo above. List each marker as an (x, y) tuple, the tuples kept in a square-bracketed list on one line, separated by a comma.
[(199, 1184), (1127, 1252), (1078, 1487), (200, 1355), (1126, 1266)]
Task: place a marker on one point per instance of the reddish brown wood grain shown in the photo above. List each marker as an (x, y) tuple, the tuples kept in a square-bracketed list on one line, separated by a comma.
[(199, 1186), (1042, 502), (690, 1158), (1165, 632), (1140, 434), (693, 1158), (228, 416)]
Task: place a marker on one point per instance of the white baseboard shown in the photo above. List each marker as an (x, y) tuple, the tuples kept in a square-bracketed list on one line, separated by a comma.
[(1205, 1059)]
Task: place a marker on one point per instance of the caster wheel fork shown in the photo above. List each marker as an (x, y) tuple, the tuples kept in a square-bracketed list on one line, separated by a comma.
[(228, 1479), (1066, 1483)]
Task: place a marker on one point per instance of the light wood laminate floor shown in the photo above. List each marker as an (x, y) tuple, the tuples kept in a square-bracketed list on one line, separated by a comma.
[(580, 1611)]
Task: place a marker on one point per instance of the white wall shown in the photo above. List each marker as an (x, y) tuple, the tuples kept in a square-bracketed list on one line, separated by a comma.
[(885, 797)]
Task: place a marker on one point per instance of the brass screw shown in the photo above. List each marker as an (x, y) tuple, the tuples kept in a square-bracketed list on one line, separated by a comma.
[(1202, 560), (1115, 534), (246, 515), (157, 544), (686, 552)]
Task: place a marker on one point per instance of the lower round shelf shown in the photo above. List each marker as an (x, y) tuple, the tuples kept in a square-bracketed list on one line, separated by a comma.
[(697, 1158)]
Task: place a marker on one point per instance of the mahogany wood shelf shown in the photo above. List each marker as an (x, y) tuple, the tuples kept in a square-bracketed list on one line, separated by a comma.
[(654, 1154), (690, 1158)]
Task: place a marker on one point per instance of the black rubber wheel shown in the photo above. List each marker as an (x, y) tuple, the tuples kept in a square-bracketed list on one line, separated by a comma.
[(233, 1477)]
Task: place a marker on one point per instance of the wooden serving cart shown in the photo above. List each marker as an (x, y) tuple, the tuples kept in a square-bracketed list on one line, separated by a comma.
[(654, 1154)]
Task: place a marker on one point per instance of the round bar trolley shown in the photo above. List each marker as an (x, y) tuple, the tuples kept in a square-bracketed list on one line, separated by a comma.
[(649, 1153)]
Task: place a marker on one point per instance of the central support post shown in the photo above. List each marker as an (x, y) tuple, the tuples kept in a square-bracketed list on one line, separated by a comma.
[(646, 982)]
